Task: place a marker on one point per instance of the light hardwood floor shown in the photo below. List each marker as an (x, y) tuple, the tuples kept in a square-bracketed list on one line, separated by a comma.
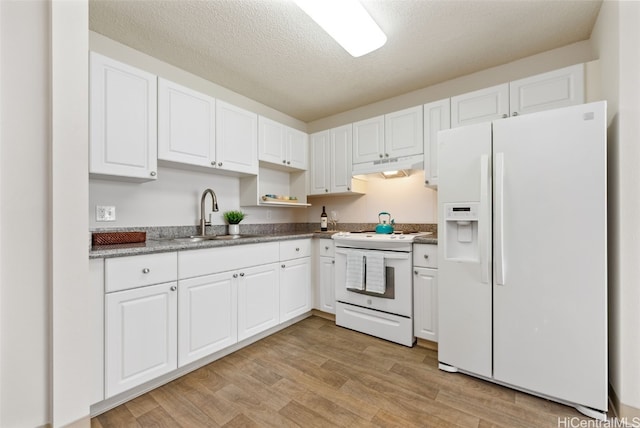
[(314, 374)]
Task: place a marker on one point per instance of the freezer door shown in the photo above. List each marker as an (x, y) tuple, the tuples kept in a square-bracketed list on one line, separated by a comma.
[(550, 291), (464, 248)]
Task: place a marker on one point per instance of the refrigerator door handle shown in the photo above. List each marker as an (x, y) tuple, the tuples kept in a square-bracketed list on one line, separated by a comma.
[(499, 219), (484, 223)]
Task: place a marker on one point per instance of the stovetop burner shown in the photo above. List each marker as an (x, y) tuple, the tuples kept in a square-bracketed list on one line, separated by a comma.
[(399, 236)]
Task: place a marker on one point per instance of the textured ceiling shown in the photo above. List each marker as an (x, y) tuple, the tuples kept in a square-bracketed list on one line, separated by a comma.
[(270, 51)]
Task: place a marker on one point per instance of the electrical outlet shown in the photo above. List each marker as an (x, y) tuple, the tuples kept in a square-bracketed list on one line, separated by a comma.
[(105, 213)]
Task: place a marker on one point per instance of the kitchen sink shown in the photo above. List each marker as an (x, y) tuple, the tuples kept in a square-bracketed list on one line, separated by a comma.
[(200, 238)]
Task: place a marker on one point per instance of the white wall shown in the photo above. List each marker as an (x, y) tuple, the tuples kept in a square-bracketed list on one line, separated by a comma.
[(406, 199), (43, 251), (616, 40), (24, 171)]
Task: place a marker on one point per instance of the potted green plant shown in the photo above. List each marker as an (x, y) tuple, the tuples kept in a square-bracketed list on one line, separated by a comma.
[(233, 218)]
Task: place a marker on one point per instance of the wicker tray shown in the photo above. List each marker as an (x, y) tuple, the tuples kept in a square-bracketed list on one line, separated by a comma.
[(110, 238)]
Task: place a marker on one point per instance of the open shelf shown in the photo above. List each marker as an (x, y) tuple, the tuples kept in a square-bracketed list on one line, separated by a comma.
[(274, 182)]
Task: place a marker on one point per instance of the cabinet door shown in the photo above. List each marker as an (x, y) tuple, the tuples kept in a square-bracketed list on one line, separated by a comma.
[(558, 88), (340, 159), (327, 285), (425, 303), (140, 336), (186, 125), (480, 106), (319, 168), (403, 133), (236, 139), (122, 118), (258, 300), (437, 116), (271, 141), (297, 143), (207, 316), (295, 288), (368, 140)]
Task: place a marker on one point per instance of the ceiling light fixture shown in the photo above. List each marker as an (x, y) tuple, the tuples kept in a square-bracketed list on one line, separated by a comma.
[(347, 22)]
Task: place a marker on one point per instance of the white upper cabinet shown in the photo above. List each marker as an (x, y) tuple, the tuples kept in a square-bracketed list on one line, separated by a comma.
[(480, 106), (122, 118), (368, 139), (555, 89), (437, 116), (186, 125), (281, 145), (236, 139), (331, 165), (390, 136), (403, 132), (319, 168), (546, 91), (340, 141)]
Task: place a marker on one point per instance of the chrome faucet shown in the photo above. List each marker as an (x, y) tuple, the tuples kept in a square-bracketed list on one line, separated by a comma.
[(214, 200)]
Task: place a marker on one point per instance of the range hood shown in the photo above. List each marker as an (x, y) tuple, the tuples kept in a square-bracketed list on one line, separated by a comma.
[(389, 164)]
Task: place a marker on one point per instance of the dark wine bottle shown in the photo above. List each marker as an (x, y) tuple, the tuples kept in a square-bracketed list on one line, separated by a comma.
[(323, 220)]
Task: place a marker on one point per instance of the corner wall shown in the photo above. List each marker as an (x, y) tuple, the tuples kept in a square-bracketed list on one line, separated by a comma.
[(616, 40)]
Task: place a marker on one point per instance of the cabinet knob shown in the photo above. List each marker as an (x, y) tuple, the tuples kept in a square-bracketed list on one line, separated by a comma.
[(297, 249), (426, 256), (349, 188), (326, 247), (173, 288), (380, 155), (235, 275), (504, 116), (288, 163), (145, 270), (333, 262), (326, 190), (219, 163), (415, 272), (426, 181), (241, 273), (386, 155), (153, 173), (284, 161), (213, 163), (282, 266), (515, 113)]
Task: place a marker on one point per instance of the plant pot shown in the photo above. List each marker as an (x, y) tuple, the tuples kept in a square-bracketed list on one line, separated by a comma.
[(234, 229)]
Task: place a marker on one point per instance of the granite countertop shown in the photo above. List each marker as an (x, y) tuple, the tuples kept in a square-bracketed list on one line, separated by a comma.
[(161, 245)]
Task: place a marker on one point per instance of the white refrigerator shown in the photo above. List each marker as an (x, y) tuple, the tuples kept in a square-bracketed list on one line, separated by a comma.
[(522, 211)]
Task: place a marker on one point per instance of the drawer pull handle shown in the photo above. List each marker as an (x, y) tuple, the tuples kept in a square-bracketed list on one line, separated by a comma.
[(174, 288), (145, 270)]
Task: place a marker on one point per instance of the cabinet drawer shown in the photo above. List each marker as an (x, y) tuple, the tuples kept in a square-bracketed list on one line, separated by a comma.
[(295, 249), (222, 259), (425, 255), (326, 248), (136, 271)]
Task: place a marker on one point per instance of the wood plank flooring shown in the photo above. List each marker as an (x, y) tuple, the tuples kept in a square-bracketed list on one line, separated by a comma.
[(314, 374)]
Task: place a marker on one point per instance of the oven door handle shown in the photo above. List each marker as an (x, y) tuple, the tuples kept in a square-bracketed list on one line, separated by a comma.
[(388, 255)]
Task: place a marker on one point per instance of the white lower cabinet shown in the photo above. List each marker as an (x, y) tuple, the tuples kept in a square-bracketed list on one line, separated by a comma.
[(425, 291), (258, 299), (207, 316), (295, 288), (325, 274), (140, 336)]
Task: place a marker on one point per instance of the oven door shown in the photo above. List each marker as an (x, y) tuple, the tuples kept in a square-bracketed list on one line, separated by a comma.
[(398, 297)]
